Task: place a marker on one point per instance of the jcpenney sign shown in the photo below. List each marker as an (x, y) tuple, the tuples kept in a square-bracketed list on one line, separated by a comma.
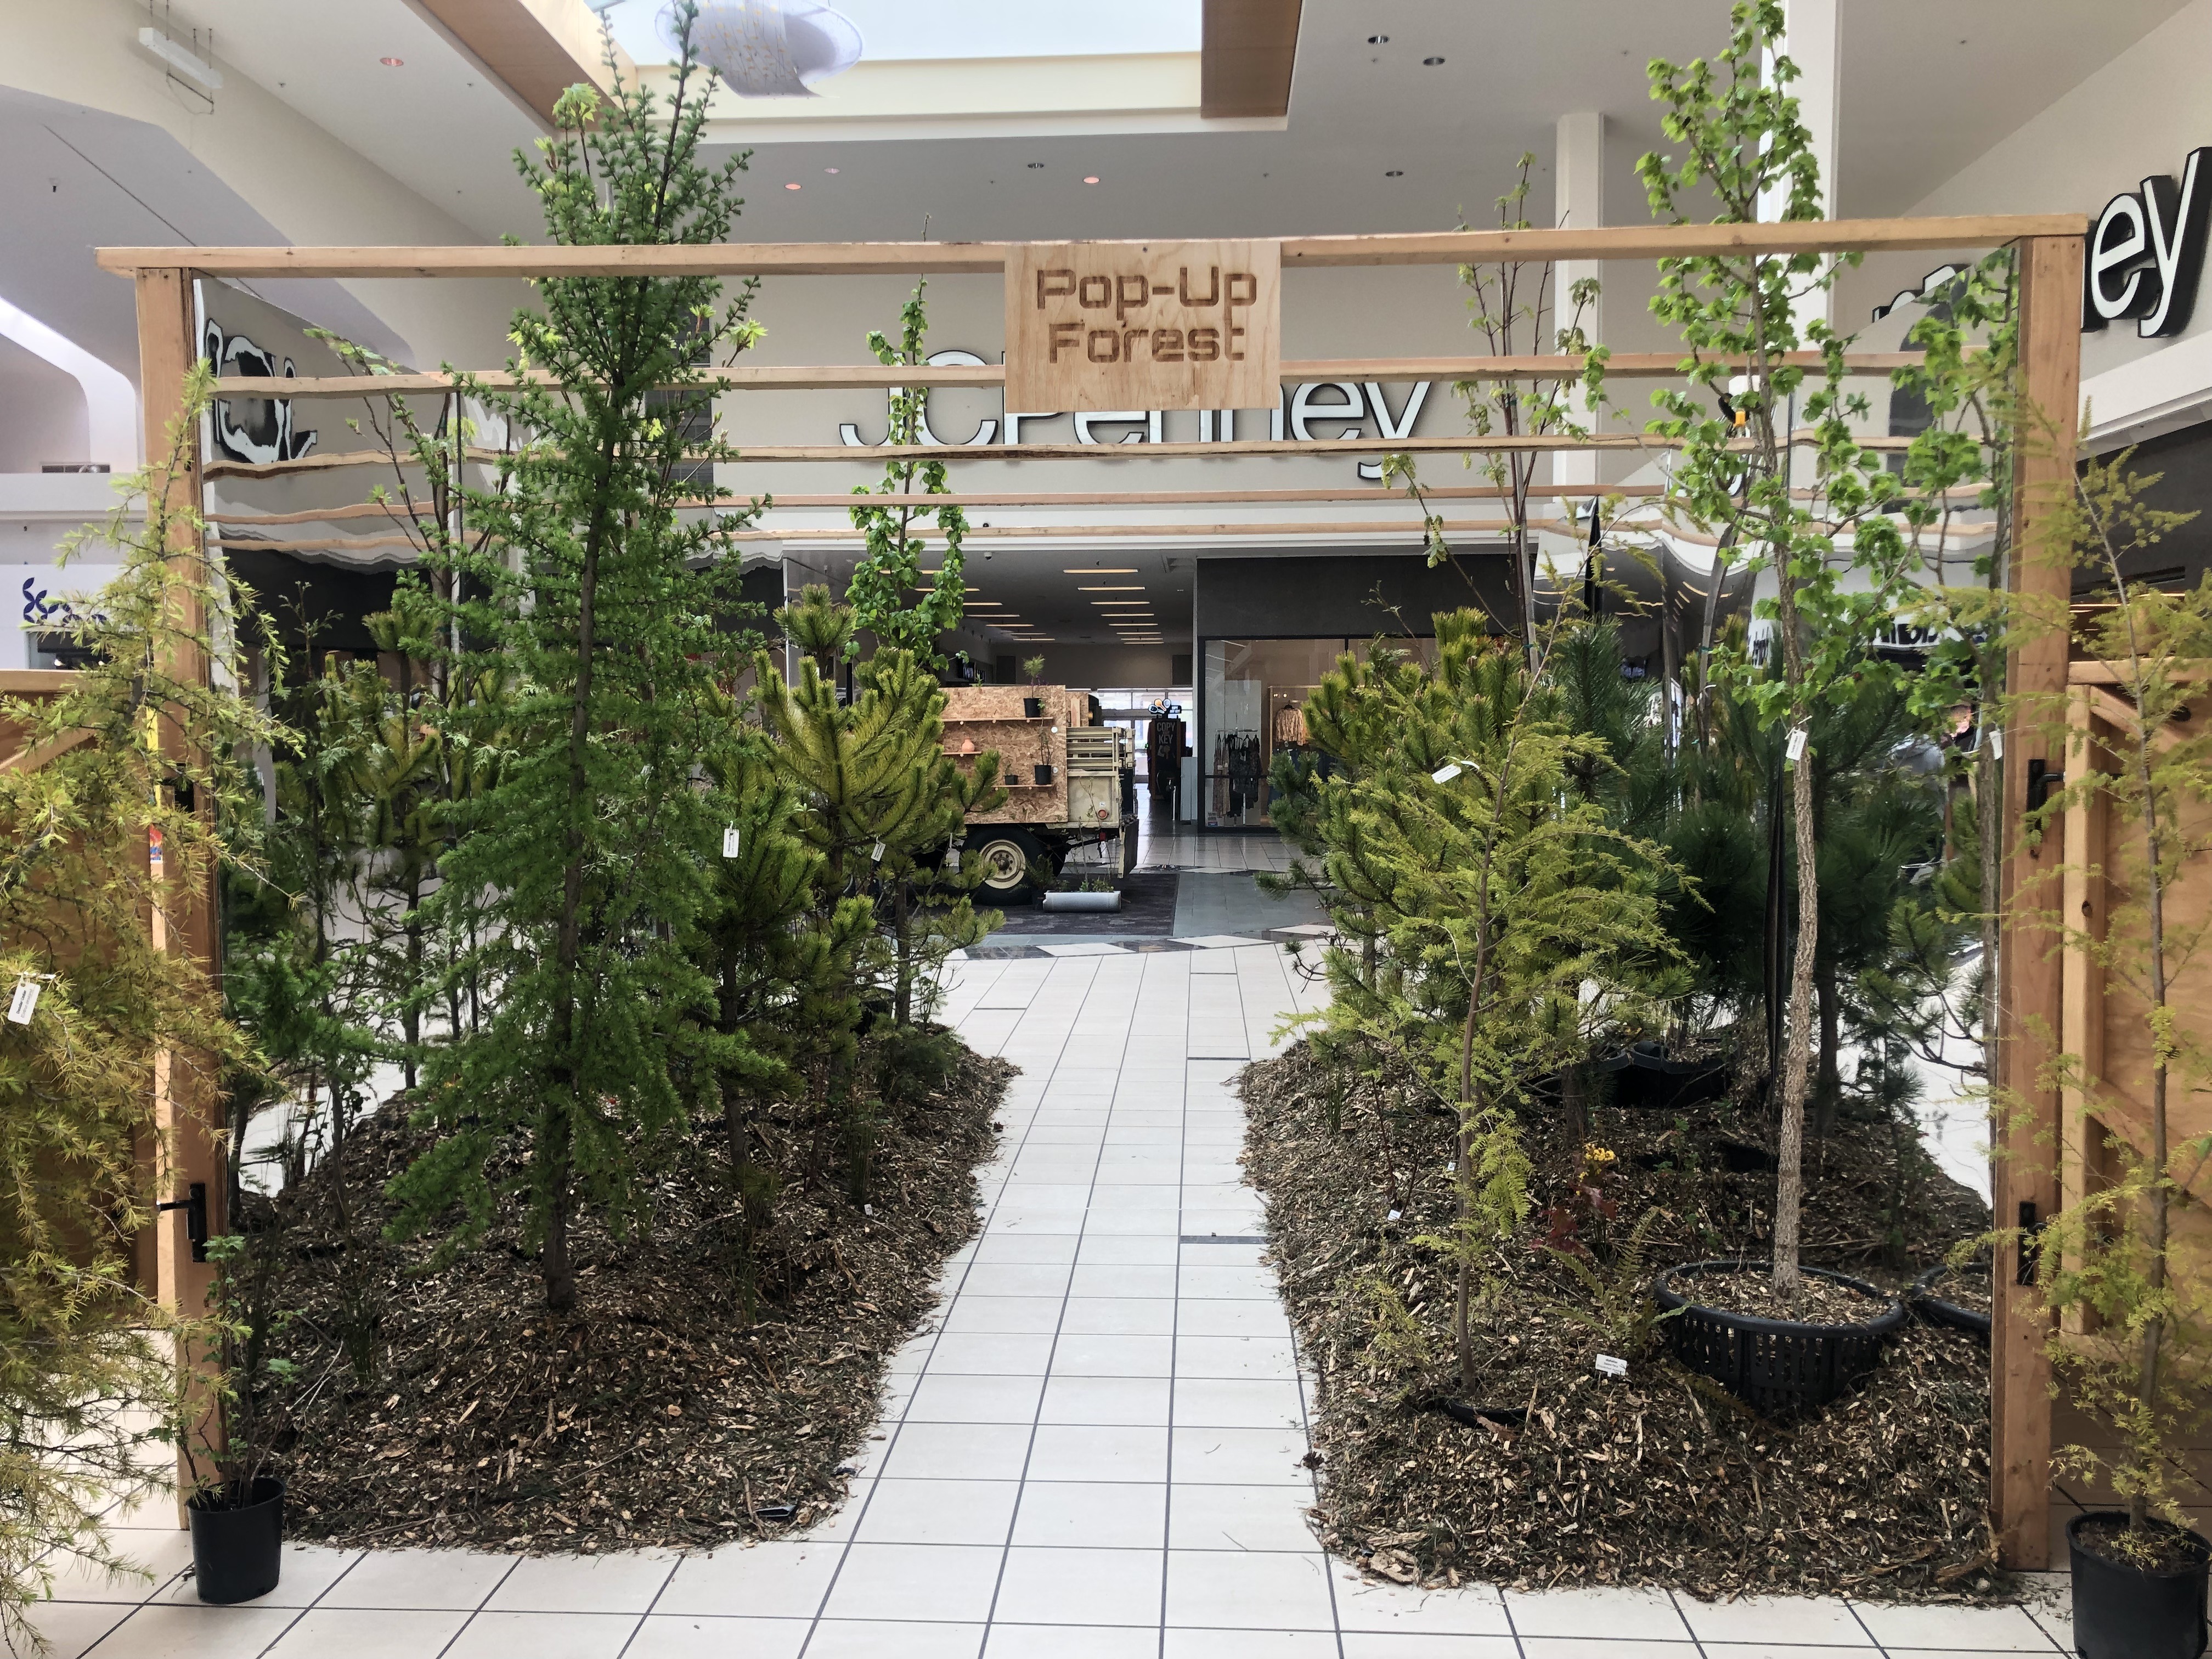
[(2147, 252), (1324, 410)]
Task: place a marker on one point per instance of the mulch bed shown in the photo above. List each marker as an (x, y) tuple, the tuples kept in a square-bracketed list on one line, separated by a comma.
[(1582, 1478), (657, 1414)]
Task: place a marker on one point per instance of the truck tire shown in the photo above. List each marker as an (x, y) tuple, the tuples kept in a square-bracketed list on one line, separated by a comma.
[(1006, 851)]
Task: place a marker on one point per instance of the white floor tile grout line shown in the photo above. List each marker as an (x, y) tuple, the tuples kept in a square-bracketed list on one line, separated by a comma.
[(891, 1440), (1175, 1325)]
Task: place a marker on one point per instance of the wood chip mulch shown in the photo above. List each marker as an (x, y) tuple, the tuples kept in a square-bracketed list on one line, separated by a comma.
[(657, 1415), (1588, 1480)]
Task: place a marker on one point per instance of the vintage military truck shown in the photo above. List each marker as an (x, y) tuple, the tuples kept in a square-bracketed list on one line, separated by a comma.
[(1071, 782)]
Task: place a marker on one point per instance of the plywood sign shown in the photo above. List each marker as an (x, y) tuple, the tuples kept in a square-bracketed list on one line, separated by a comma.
[(1115, 326)]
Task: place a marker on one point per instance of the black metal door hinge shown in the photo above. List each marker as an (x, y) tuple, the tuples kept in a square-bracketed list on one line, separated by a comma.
[(194, 1205)]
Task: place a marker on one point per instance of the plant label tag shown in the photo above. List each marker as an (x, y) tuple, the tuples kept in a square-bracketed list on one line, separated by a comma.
[(1996, 742), (877, 857), (24, 1003), (1612, 1366), (1446, 773), (730, 842), (1796, 751), (153, 848)]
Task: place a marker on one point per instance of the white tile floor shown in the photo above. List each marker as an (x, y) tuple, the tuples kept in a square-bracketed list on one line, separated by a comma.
[(1095, 1452)]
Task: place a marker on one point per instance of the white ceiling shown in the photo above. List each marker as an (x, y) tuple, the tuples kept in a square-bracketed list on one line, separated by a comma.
[(438, 122), (78, 180)]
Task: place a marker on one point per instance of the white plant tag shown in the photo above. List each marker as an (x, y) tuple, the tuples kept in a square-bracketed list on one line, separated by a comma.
[(1796, 751), (1446, 773), (867, 1209), (730, 842), (1393, 1216), (24, 1003), (877, 857), (1611, 1366), (1996, 742)]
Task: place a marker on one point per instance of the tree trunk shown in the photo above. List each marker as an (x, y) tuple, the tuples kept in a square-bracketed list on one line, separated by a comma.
[(1574, 1106), (1827, 1096), (554, 1147), (1798, 1055), (1463, 1148)]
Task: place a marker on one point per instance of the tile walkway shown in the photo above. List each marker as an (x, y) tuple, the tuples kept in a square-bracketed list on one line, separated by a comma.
[(1094, 1452)]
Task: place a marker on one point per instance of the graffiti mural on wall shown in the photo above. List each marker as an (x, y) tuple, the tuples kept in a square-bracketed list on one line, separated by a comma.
[(253, 428)]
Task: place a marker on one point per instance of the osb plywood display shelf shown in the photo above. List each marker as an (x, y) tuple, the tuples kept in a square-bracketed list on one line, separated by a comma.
[(991, 717)]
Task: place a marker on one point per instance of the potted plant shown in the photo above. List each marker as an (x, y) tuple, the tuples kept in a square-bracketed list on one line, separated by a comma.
[(1033, 706), (233, 1425), (2129, 1276), (1776, 1332)]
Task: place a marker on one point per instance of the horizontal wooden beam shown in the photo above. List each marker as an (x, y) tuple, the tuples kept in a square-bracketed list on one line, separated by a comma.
[(1272, 531), (1451, 247), (36, 681), (1636, 364)]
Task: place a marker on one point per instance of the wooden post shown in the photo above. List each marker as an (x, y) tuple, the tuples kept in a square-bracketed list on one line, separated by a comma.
[(2024, 1171), (187, 1119)]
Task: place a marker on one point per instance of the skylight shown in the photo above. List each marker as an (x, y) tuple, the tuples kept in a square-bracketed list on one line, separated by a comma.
[(895, 30)]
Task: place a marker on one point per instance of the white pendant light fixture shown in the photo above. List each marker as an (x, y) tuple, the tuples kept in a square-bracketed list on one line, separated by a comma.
[(772, 48)]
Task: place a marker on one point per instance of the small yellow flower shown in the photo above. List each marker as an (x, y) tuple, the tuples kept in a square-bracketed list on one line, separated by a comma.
[(1599, 1156)]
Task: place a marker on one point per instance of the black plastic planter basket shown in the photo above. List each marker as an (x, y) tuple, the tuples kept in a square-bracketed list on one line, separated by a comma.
[(1776, 1366), (1643, 1079), (1926, 1299)]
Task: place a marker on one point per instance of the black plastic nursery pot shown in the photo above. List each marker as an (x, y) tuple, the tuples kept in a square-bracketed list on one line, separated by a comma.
[(1041, 774), (238, 1548), (1926, 1299), (1645, 1081), (2123, 1611), (1775, 1366), (1032, 708)]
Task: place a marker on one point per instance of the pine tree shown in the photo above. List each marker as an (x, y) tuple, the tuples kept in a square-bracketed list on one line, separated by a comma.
[(1518, 922), (585, 865)]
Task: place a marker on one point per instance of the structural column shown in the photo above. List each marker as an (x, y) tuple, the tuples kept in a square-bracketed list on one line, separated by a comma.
[(2024, 1129), (1577, 203), (186, 1112)]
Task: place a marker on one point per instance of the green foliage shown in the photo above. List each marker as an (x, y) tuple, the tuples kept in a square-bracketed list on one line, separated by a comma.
[(230, 1423), (818, 627), (135, 752), (891, 569), (884, 805), (1508, 922), (580, 872), (1741, 144), (2138, 1284), (1617, 1307)]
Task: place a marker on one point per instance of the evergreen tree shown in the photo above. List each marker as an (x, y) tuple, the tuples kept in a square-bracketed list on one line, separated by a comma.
[(584, 866), (1519, 921)]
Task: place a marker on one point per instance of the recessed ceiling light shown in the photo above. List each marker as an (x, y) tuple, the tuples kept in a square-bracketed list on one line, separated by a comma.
[(1378, 39), (393, 62), (1394, 173), (1427, 63), (791, 186), (1089, 178), (833, 169)]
